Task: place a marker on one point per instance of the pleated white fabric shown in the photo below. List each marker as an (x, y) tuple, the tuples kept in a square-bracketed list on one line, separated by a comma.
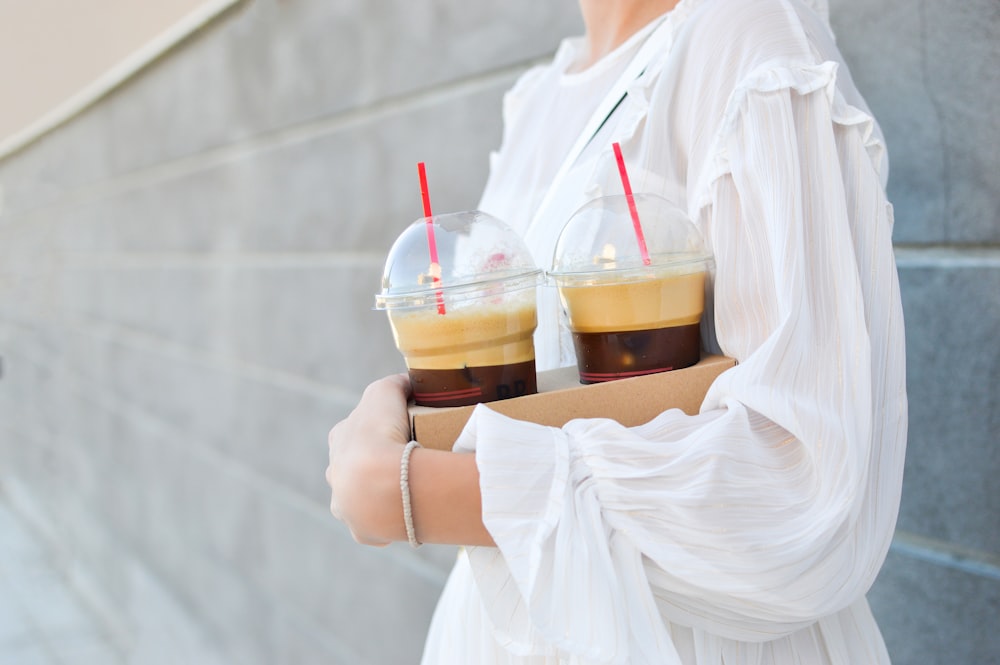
[(750, 533)]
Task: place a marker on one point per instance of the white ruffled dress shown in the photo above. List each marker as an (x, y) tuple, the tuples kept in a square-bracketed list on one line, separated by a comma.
[(750, 533)]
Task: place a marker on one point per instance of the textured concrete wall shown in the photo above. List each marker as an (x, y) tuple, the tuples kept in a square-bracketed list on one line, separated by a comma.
[(931, 73), (186, 272)]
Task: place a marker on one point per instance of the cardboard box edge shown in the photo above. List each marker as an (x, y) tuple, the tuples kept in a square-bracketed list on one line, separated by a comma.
[(451, 420)]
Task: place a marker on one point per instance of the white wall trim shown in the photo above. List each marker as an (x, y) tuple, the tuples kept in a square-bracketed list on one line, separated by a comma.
[(111, 79)]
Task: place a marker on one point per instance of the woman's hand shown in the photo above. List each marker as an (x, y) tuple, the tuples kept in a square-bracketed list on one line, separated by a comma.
[(365, 454), (363, 474)]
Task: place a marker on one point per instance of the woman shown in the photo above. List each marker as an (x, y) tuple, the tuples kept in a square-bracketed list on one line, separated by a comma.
[(751, 532)]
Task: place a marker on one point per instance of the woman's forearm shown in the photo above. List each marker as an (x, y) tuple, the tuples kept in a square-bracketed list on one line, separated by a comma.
[(445, 498)]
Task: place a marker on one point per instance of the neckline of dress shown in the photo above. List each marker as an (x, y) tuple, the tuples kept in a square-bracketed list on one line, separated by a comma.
[(570, 47)]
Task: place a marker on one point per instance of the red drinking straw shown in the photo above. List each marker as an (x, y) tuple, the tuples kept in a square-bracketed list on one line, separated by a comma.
[(431, 243), (631, 205)]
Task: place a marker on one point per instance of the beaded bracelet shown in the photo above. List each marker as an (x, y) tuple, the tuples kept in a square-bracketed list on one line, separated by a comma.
[(404, 487)]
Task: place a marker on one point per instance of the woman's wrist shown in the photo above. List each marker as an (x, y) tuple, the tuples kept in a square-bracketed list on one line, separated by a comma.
[(445, 502), (445, 499), (378, 515)]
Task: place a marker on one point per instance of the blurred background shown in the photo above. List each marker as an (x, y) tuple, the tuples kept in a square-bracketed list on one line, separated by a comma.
[(196, 199)]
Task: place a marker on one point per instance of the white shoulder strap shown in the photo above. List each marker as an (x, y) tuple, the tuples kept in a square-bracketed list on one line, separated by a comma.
[(655, 44)]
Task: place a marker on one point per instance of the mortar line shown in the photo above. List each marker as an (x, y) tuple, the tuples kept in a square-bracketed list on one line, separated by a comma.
[(32, 517), (278, 138), (175, 436), (164, 347), (103, 605), (947, 256), (436, 577), (945, 554), (222, 260)]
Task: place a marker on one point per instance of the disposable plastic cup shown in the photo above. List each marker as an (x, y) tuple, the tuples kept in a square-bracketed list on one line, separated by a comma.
[(629, 317), (466, 336)]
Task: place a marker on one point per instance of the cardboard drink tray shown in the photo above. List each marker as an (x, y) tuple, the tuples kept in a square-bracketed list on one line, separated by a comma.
[(561, 398)]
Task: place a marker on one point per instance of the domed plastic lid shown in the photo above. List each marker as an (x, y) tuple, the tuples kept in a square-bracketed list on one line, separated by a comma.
[(478, 257), (600, 243)]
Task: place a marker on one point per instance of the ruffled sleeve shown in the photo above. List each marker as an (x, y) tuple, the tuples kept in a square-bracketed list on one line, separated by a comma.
[(775, 506)]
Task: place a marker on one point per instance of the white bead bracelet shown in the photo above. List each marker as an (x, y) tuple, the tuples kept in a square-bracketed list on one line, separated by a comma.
[(404, 487)]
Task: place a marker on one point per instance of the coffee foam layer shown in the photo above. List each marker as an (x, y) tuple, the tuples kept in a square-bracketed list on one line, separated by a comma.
[(671, 300), (476, 336)]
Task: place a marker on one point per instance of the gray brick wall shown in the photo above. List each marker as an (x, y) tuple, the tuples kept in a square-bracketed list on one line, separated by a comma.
[(186, 275)]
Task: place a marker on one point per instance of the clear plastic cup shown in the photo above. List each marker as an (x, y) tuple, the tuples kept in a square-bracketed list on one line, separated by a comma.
[(467, 337), (629, 318)]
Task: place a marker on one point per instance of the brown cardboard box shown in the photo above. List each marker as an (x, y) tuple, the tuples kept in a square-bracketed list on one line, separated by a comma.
[(562, 398)]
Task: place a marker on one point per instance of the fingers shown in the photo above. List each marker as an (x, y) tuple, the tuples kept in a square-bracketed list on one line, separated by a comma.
[(378, 422), (364, 540), (383, 408), (394, 386), (404, 381)]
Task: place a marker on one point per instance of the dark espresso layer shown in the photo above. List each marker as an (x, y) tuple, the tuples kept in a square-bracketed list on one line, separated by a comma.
[(617, 355), (471, 385)]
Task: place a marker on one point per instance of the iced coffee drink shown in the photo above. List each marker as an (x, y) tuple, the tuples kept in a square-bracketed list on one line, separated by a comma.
[(466, 337), (477, 353), (628, 316), (634, 328)]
